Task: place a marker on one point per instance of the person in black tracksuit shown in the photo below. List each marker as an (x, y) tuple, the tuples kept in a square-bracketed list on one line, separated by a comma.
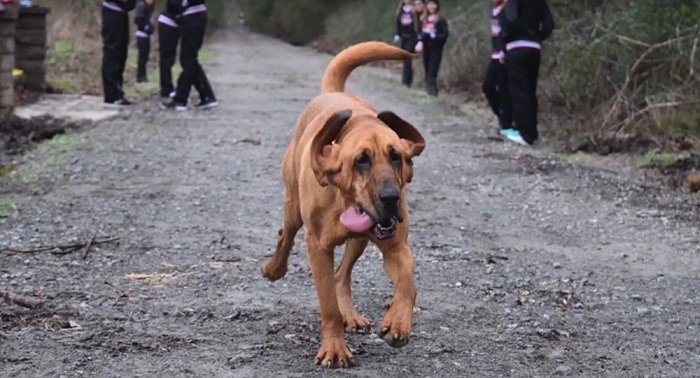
[(407, 29), (144, 30), (524, 25), (495, 86), (193, 23), (168, 39), (115, 42), (431, 42)]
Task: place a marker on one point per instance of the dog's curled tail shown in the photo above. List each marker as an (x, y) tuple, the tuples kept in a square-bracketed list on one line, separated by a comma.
[(354, 56)]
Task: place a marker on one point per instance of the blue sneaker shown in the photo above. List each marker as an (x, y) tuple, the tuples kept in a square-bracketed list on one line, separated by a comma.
[(514, 136), (504, 132)]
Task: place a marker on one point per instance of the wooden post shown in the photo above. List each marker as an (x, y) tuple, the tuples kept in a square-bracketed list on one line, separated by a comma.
[(31, 46), (8, 24)]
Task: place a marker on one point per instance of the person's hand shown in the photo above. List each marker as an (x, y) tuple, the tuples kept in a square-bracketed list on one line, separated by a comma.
[(419, 46), (502, 57), (397, 39)]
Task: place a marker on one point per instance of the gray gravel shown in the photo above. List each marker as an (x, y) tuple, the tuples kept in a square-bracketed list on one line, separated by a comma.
[(527, 265)]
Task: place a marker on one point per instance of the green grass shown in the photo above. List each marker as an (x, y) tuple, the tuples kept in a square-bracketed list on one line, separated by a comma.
[(60, 142), (57, 148), (656, 159), (6, 207), (52, 153), (205, 55), (6, 169), (73, 69), (63, 49)]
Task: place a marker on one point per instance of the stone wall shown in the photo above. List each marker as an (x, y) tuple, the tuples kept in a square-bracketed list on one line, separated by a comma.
[(30, 47), (8, 23)]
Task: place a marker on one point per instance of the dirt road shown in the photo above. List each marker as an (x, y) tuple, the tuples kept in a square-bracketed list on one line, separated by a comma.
[(527, 265)]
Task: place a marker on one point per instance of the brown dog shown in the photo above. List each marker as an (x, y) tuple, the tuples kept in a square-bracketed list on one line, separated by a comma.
[(345, 176)]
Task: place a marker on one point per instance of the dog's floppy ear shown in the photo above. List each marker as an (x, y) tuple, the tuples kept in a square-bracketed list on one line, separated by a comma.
[(405, 131), (325, 160), (413, 141)]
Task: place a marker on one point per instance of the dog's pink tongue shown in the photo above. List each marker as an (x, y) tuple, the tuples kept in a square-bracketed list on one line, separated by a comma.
[(354, 221)]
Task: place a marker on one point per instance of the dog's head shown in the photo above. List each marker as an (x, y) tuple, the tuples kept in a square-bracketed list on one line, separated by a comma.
[(370, 163)]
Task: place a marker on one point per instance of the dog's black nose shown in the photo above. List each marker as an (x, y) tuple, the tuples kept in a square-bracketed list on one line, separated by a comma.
[(389, 196)]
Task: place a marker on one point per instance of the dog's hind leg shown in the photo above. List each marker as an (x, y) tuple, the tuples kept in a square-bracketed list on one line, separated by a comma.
[(276, 267), (352, 319)]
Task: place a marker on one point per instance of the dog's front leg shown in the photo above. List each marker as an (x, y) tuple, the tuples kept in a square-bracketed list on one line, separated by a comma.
[(354, 322), (398, 321), (333, 352)]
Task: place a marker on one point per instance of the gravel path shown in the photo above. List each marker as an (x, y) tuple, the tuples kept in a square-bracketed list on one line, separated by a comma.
[(527, 265)]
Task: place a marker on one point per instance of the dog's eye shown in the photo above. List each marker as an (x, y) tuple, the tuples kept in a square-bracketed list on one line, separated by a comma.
[(363, 162), (395, 157)]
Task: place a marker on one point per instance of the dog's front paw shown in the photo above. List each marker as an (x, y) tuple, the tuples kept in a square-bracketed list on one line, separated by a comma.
[(273, 271), (354, 322), (334, 353), (397, 325)]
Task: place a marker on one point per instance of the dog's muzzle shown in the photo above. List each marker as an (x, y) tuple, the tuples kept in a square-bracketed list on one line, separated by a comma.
[(389, 213)]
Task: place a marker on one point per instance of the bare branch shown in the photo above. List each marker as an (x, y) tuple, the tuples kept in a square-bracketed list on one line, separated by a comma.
[(21, 300), (61, 249)]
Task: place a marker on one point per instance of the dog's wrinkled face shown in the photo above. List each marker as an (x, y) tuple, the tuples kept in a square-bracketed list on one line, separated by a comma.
[(370, 163)]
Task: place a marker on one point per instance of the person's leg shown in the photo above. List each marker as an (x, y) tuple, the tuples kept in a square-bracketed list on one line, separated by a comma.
[(529, 65), (147, 55), (123, 48), (111, 25), (143, 46), (505, 112), (201, 82), (490, 87), (191, 42), (534, 68), (519, 88), (435, 60), (407, 44), (168, 38), (203, 87), (426, 65)]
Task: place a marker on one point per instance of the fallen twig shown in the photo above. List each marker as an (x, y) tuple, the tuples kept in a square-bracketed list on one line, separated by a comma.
[(90, 242), (157, 278), (21, 300), (255, 142), (62, 249), (226, 259), (274, 331)]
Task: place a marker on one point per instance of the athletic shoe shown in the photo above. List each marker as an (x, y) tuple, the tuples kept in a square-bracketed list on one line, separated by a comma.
[(504, 132), (514, 136), (173, 105), (121, 102), (209, 103)]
